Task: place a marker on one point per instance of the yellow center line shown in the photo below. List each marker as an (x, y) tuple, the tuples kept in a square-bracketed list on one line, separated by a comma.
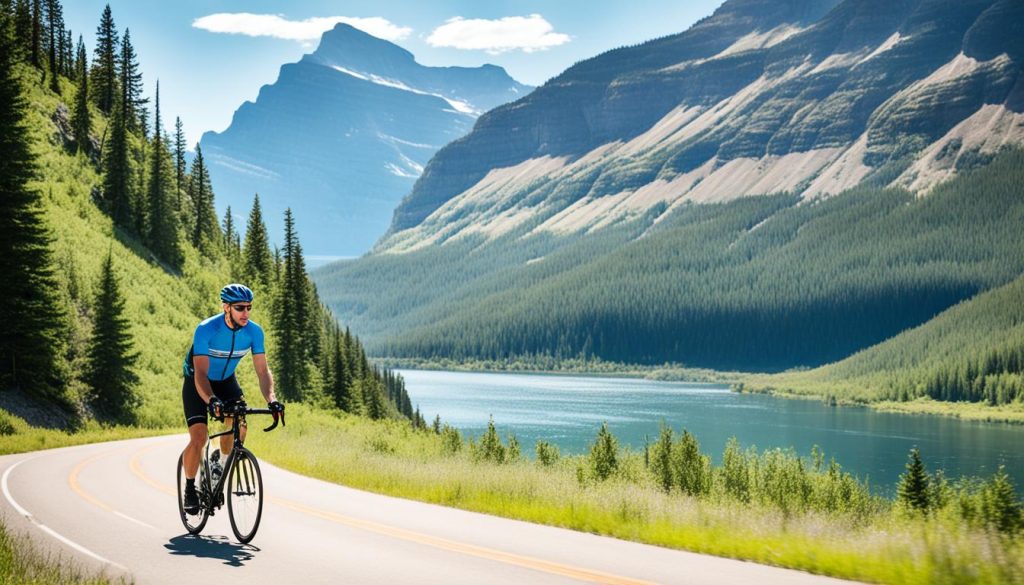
[(137, 470), (425, 539), (75, 487)]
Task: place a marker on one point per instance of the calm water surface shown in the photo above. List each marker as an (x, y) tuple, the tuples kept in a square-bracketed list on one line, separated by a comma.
[(568, 411)]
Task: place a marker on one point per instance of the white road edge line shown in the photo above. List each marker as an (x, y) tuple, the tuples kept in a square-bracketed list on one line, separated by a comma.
[(47, 529)]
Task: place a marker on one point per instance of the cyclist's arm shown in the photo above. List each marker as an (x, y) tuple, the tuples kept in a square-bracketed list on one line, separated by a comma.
[(201, 363), (259, 361)]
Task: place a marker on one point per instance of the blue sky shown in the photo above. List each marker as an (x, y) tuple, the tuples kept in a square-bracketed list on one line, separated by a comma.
[(211, 56)]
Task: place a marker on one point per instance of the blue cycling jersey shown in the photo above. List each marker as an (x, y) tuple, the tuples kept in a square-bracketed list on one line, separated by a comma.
[(225, 346)]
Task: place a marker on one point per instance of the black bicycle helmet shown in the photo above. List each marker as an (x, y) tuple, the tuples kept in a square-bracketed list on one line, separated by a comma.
[(236, 293)]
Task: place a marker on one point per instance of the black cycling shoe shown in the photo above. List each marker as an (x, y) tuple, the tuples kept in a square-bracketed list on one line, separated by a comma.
[(191, 500)]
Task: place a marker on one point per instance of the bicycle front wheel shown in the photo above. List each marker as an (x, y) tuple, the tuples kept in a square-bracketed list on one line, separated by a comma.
[(245, 495), (194, 521)]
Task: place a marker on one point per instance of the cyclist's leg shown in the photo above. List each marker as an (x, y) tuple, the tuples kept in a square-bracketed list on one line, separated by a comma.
[(197, 436), (195, 418), (228, 391)]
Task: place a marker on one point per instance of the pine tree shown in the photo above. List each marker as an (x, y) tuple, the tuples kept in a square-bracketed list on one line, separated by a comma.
[(912, 491), (205, 233), (179, 161), (257, 260), (291, 316), (81, 120), (109, 361), (661, 458), (104, 69), (55, 34), (163, 218), (23, 27), (604, 454), (691, 470), (1000, 507), (117, 176), (32, 311), (36, 46), (131, 83)]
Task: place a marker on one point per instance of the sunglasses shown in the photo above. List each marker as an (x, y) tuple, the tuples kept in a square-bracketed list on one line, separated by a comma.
[(241, 308)]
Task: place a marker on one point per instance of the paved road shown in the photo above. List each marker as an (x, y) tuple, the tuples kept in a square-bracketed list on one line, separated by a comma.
[(111, 506)]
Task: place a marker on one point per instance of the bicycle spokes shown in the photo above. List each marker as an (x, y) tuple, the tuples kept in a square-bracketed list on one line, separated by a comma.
[(245, 495)]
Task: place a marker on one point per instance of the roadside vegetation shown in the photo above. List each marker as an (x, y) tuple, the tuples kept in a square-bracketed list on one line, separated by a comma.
[(22, 563), (771, 506)]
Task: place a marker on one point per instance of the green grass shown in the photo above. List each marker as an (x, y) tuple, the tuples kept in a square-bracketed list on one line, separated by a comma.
[(881, 546), (23, 563)]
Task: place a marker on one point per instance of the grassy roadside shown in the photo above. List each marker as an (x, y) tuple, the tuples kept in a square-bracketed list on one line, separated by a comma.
[(21, 562), (858, 536), (873, 544)]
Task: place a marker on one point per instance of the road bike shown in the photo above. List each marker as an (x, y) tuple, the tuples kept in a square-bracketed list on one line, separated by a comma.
[(240, 479)]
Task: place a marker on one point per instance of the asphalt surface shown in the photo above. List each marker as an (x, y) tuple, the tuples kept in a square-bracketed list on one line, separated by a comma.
[(112, 507)]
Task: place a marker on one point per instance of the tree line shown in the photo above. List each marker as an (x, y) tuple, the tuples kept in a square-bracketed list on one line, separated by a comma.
[(159, 204)]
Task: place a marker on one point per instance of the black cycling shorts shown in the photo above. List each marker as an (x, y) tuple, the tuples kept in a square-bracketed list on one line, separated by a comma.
[(227, 390)]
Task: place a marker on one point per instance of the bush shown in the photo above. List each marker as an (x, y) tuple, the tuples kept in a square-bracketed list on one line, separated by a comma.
[(547, 454), (604, 454)]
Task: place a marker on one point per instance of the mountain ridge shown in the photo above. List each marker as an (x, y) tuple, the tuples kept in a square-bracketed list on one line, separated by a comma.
[(861, 92), (342, 133)]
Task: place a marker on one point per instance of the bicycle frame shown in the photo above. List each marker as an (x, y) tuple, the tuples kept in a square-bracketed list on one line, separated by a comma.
[(238, 413)]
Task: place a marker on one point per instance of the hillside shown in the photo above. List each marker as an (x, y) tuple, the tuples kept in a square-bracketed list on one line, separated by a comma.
[(972, 352), (343, 134), (163, 299)]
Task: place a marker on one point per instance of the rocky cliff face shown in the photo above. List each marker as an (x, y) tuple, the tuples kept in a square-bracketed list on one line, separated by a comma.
[(342, 135), (804, 96)]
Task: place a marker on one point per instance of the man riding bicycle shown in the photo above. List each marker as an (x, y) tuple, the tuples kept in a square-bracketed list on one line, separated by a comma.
[(218, 345)]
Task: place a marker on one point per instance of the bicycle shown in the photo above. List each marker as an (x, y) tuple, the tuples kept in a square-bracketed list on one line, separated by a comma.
[(241, 476)]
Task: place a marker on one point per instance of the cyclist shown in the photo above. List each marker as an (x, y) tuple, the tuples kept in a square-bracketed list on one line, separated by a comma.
[(218, 345)]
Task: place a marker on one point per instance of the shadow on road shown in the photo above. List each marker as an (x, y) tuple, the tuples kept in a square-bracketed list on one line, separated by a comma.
[(212, 547)]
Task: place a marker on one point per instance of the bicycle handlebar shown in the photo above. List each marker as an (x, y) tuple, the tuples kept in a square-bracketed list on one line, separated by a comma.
[(241, 408)]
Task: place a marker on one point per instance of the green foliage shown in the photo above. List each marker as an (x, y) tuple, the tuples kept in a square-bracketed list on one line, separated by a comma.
[(32, 310), (1000, 508), (547, 453), (109, 370), (451, 440), (164, 236), (604, 454), (104, 69), (913, 490), (661, 458), (490, 447), (259, 264), (22, 562), (81, 119), (691, 470)]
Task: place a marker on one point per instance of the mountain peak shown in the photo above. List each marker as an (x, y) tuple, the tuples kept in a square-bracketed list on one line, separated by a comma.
[(346, 45)]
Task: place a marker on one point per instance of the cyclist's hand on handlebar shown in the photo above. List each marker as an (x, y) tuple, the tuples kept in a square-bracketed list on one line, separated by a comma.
[(279, 412), (215, 408)]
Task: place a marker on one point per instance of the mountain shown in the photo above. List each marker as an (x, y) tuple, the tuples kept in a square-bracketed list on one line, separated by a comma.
[(342, 135), (782, 185)]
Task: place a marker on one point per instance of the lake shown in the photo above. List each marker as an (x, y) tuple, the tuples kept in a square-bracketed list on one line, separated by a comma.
[(569, 410)]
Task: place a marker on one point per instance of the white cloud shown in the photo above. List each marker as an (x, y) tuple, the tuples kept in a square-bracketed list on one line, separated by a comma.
[(273, 25), (526, 33)]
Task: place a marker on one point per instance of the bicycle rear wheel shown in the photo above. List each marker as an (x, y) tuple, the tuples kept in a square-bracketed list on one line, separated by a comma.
[(245, 495), (194, 523)]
